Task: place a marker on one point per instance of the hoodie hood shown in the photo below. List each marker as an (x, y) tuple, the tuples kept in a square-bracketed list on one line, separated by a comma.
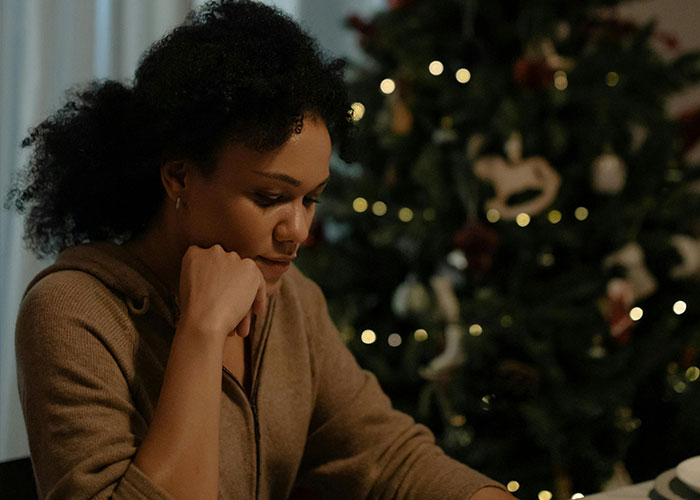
[(120, 271)]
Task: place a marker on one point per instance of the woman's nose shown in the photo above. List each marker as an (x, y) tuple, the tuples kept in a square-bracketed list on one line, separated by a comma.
[(295, 225)]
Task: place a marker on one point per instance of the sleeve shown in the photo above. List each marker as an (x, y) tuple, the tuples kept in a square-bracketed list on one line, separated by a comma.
[(358, 445), (82, 424)]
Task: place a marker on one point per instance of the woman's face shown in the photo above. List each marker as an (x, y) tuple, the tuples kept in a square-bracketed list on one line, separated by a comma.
[(261, 205)]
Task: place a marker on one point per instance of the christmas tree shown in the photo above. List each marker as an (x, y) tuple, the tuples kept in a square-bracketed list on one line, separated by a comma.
[(516, 252)]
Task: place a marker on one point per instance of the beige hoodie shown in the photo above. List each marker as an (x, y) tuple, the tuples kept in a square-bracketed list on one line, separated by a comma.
[(92, 341)]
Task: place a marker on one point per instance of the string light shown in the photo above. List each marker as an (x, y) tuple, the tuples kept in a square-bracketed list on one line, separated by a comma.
[(387, 86), (513, 486), (436, 68), (636, 313), (463, 75), (405, 214), (394, 340), (576, 496), (554, 216), (679, 307), (368, 337), (358, 111), (560, 80), (429, 214), (692, 373), (360, 205), (546, 259), (475, 330), (522, 219), (493, 215), (544, 495), (379, 208), (612, 79), (581, 213), (420, 335), (679, 386)]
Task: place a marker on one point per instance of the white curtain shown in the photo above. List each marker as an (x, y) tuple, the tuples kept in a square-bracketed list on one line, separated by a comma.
[(47, 47)]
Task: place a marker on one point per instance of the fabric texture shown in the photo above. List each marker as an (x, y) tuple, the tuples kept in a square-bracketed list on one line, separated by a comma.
[(92, 341)]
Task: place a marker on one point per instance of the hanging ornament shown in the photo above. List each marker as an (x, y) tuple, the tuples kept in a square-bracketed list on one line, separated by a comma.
[(690, 129), (400, 4), (631, 259), (410, 298), (402, 118), (617, 307), (479, 243), (688, 249), (517, 176), (441, 367), (609, 173), (446, 133), (535, 70)]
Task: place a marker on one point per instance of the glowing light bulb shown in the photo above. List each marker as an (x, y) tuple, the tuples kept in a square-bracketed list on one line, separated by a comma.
[(358, 111), (394, 340), (379, 208), (522, 219), (544, 495), (475, 330), (387, 86), (463, 75), (561, 81), (493, 215), (581, 213), (368, 337), (636, 313), (436, 68), (576, 496), (513, 486), (612, 79), (680, 307), (420, 335), (405, 214), (692, 373), (360, 205), (429, 214), (554, 216)]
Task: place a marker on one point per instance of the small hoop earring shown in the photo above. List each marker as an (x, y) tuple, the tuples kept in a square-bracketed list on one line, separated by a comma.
[(178, 203)]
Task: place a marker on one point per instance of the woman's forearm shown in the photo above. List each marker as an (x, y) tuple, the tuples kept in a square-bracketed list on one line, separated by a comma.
[(181, 450)]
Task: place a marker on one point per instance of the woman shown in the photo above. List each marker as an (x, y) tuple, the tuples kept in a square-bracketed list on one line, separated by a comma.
[(173, 350)]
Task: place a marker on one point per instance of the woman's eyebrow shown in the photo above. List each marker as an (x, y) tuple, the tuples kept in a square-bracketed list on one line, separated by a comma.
[(288, 179)]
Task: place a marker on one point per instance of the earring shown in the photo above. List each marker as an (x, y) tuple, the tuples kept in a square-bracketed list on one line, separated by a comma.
[(178, 203)]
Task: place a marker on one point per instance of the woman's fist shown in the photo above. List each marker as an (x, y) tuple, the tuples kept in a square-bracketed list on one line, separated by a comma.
[(219, 292)]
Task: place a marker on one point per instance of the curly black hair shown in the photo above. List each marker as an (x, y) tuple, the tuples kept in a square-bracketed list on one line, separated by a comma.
[(233, 71)]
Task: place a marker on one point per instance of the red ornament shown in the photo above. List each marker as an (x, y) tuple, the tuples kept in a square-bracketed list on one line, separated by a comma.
[(533, 73), (478, 243), (690, 129), (399, 4), (620, 298)]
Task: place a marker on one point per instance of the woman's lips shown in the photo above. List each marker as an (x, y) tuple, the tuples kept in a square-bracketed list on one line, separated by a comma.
[(273, 268)]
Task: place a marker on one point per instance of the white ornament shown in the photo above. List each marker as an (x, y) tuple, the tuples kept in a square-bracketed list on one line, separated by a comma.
[(609, 174), (448, 308), (689, 250), (410, 297), (509, 179), (631, 258)]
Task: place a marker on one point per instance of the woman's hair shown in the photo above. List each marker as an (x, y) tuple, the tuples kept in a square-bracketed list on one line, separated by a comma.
[(233, 71)]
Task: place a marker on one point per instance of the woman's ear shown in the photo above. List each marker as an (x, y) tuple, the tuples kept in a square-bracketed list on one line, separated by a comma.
[(175, 176)]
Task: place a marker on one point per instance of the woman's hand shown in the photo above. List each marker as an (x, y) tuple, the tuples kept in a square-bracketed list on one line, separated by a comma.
[(219, 292)]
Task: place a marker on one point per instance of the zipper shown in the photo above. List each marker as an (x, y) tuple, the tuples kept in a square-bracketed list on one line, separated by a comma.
[(252, 402)]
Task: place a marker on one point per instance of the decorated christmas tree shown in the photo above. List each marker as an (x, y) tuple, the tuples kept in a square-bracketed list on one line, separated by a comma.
[(516, 252)]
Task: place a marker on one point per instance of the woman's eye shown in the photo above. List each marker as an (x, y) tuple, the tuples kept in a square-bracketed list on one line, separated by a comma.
[(267, 200), (310, 200)]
